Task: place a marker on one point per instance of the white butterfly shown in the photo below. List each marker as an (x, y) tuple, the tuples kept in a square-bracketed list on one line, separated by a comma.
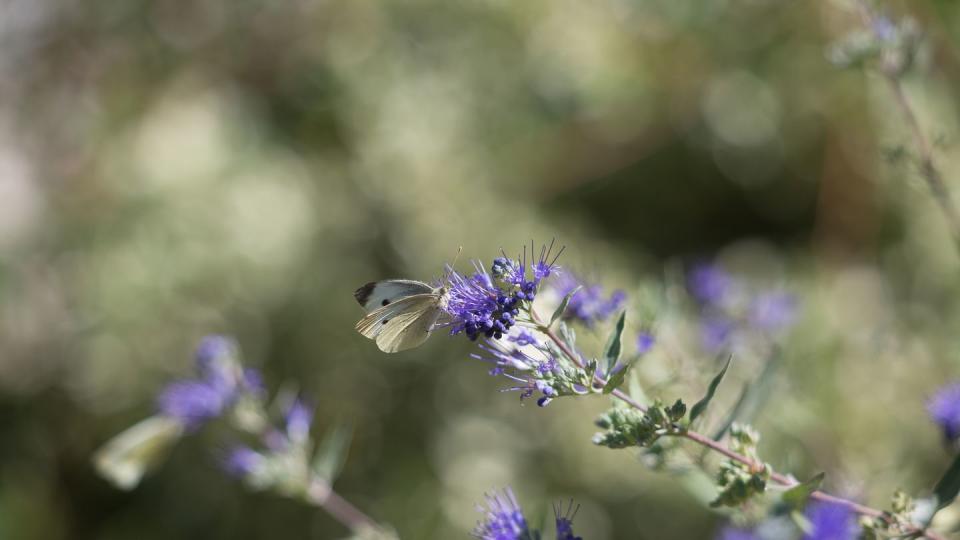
[(401, 313)]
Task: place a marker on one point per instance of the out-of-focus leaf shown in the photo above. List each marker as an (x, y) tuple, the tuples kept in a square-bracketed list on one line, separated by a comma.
[(635, 390), (701, 405), (611, 353), (124, 459), (753, 396), (332, 453), (949, 485), (563, 305), (797, 496)]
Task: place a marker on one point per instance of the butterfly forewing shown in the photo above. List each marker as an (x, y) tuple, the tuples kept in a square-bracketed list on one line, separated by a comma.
[(401, 312), (375, 295), (376, 322)]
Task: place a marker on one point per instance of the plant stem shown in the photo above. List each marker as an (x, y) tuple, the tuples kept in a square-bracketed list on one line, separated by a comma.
[(722, 449), (928, 168), (320, 494)]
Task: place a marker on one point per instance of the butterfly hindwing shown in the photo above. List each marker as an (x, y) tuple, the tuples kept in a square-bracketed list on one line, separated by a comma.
[(410, 328), (379, 294)]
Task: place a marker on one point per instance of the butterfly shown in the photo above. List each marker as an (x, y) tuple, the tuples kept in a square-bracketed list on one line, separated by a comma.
[(401, 313)]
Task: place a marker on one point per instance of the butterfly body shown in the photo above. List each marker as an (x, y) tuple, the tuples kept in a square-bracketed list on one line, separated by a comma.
[(401, 313)]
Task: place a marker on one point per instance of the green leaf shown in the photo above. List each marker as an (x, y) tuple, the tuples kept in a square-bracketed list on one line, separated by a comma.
[(611, 353), (615, 380), (797, 496), (949, 484), (701, 405), (332, 453), (563, 306), (753, 396)]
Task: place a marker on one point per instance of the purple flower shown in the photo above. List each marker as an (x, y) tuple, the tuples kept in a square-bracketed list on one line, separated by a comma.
[(222, 379), (242, 461), (830, 521), (524, 337), (503, 519), (213, 347), (588, 304), (299, 417), (565, 522), (645, 342), (478, 306), (527, 369), (716, 332), (192, 402), (772, 311), (709, 283), (944, 409), (884, 29), (734, 533), (488, 304)]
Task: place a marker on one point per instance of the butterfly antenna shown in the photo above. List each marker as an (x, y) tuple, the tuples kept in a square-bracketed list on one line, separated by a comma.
[(457, 257)]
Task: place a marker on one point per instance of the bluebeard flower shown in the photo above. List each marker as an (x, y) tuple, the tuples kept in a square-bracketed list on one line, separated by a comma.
[(503, 519), (773, 311), (709, 283), (531, 368), (716, 332), (524, 337), (588, 304), (645, 342), (883, 28), (830, 521), (299, 417), (489, 304), (735, 533), (944, 409), (222, 380), (192, 402), (242, 461), (565, 522)]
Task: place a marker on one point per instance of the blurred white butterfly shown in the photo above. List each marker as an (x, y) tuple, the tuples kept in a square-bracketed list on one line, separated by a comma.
[(401, 313)]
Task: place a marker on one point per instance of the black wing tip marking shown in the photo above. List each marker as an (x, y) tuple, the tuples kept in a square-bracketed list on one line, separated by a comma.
[(363, 293)]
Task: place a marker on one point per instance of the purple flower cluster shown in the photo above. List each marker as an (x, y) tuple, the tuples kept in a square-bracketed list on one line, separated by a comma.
[(243, 461), (504, 520), (221, 381), (564, 521), (729, 308), (489, 304), (944, 409), (588, 305), (528, 365)]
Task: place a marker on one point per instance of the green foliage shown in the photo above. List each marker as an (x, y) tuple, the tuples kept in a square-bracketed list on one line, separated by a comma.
[(700, 406), (949, 484), (332, 453), (797, 496), (627, 427), (611, 353), (739, 482), (563, 306)]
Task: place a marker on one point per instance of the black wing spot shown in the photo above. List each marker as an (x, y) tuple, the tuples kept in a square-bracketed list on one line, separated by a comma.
[(384, 321), (363, 293), (385, 302)]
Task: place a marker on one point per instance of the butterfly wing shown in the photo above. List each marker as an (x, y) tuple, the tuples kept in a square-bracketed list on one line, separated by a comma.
[(378, 294), (409, 329), (403, 324)]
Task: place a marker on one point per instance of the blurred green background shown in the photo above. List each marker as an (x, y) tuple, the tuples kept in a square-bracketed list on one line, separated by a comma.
[(170, 169)]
